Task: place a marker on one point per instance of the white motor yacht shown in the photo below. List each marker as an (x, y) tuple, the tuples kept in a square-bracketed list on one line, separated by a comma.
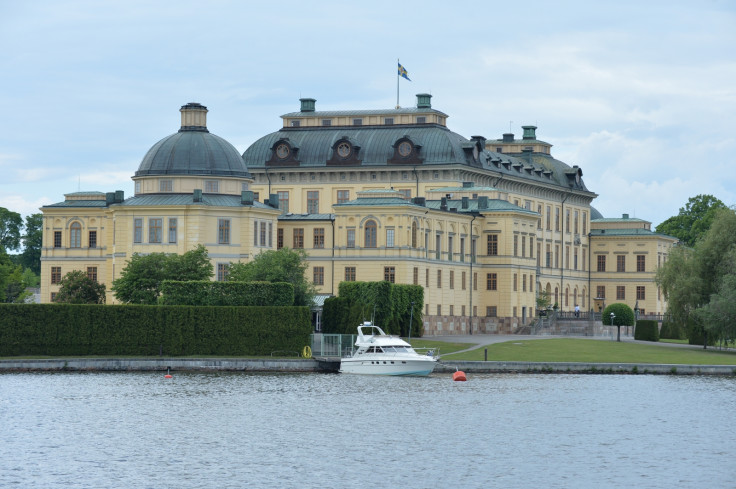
[(380, 354)]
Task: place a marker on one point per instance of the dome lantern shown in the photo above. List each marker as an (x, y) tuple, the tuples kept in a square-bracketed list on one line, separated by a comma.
[(193, 117)]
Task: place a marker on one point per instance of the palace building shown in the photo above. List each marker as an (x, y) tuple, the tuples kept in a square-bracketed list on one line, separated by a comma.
[(484, 225)]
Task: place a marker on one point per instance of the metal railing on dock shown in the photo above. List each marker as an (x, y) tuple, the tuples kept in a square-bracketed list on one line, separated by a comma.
[(332, 345)]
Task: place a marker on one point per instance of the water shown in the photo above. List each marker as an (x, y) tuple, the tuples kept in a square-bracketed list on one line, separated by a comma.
[(221, 430)]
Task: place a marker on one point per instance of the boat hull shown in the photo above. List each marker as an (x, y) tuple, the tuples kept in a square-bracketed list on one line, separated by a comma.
[(417, 367)]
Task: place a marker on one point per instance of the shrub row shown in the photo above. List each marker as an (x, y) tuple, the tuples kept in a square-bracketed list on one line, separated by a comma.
[(209, 293), (388, 304), (672, 331), (647, 330), (73, 329)]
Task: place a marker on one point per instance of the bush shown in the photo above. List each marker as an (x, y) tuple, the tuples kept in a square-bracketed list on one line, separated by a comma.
[(672, 331), (646, 330), (208, 293), (74, 329)]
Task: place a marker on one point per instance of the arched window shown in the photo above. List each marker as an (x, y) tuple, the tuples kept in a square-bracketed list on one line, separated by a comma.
[(370, 234), (414, 235), (75, 235)]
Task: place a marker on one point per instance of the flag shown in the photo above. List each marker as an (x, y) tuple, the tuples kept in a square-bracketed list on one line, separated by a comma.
[(403, 72)]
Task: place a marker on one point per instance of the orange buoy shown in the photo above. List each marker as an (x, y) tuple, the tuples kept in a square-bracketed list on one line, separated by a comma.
[(168, 373), (459, 376), (167, 376)]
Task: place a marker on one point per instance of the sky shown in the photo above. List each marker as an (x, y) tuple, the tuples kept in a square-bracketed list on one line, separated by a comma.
[(640, 95)]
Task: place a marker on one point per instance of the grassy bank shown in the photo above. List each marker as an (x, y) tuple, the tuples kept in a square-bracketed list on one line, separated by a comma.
[(592, 351)]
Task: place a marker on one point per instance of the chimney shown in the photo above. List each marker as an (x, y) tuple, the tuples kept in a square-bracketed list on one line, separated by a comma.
[(193, 117), (119, 196), (419, 201), (625, 216), (307, 104), (508, 137), (273, 200), (197, 195), (109, 198), (465, 202), (424, 101), (483, 202), (246, 197), (443, 204)]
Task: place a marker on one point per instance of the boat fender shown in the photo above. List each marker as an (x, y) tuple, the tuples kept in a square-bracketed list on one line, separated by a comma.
[(307, 352), (459, 376)]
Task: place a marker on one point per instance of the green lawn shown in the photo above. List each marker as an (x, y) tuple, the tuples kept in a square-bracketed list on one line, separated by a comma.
[(594, 351), (444, 347)]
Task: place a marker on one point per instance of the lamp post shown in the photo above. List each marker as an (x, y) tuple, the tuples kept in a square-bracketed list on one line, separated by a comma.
[(618, 337), (636, 316)]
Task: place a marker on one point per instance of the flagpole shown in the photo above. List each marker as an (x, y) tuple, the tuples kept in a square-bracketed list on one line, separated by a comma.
[(397, 82)]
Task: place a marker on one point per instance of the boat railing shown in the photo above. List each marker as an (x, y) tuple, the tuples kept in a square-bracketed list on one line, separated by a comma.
[(430, 352)]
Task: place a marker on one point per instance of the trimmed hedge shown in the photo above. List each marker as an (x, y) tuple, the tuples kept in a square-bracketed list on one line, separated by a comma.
[(390, 302), (647, 330), (672, 331), (209, 293), (81, 329)]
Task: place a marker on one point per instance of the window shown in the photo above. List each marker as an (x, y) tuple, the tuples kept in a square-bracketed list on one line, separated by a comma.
[(539, 221), (223, 231), (621, 263), (75, 235), (165, 186), (172, 230), (438, 246), (319, 237), (55, 275), (93, 239), (426, 277), (416, 276), (405, 192), (491, 281), (601, 292), (475, 281), (413, 234), (326, 122), (567, 221), (576, 221), (388, 121), (263, 234), (452, 279), (279, 238), (57, 239), (92, 273), (462, 249), (601, 263), (389, 238), (270, 234), (313, 202), (439, 279), (154, 230), (557, 256), (516, 287), (137, 187), (557, 218), (567, 256), (439, 309), (452, 310), (319, 275), (531, 247), (523, 282), (640, 294), (343, 196), (549, 218), (575, 266), (491, 311), (493, 244), (389, 274), (462, 281), (350, 274), (137, 230), (257, 196), (583, 260), (585, 223), (423, 120), (620, 292), (222, 272), (283, 201), (641, 263), (53, 296), (357, 122), (298, 238), (370, 234), (449, 247), (211, 186), (351, 238)]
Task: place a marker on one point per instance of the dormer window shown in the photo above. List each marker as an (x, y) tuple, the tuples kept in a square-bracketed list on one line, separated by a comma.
[(357, 122), (389, 121), (326, 122), (421, 119), (296, 123)]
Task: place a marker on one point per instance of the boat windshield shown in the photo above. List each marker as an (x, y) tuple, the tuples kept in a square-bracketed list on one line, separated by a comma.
[(397, 349)]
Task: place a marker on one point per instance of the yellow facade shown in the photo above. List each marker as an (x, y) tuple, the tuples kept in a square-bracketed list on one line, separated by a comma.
[(482, 225)]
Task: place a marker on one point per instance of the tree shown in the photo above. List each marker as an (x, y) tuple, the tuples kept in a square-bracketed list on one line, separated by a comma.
[(694, 219), (623, 315), (543, 301), (10, 225), (32, 241), (77, 288), (692, 277), (140, 280), (283, 265)]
